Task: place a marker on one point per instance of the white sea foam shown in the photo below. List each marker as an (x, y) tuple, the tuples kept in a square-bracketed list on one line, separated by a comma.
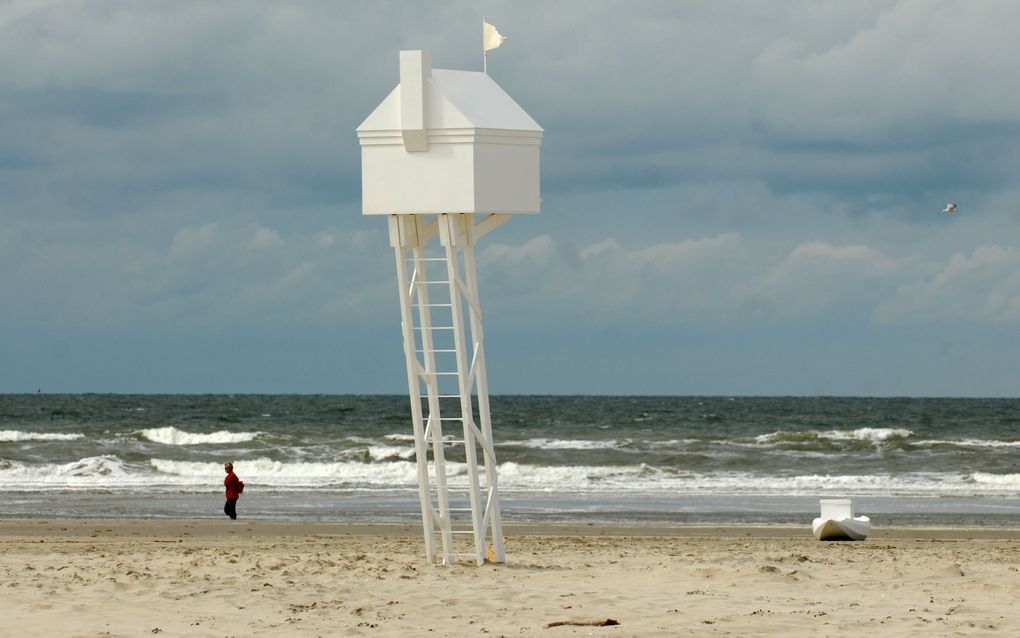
[(913, 484), (93, 471), (566, 444), (112, 473), (770, 437), (268, 472), (172, 436), (977, 443), (362, 440), (18, 435), (567, 478), (873, 435), (94, 466), (383, 452), (375, 453), (681, 442), (1010, 482)]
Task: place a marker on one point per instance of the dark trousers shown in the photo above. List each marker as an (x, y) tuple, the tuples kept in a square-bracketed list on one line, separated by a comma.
[(230, 509)]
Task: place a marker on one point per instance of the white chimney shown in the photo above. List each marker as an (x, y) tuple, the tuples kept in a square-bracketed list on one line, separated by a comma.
[(415, 69)]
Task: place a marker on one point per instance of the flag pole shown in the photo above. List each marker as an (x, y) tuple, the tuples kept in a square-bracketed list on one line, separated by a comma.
[(485, 54)]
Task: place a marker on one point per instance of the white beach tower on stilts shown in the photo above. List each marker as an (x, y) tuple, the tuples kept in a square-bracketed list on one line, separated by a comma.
[(448, 156)]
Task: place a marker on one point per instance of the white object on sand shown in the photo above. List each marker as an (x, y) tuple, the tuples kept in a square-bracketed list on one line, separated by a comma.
[(837, 522)]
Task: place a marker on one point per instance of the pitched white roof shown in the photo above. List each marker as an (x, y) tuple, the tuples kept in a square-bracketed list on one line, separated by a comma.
[(456, 100)]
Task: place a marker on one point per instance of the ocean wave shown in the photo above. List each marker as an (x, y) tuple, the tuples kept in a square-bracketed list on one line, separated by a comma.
[(89, 470), (874, 435), (112, 473), (651, 480), (377, 453), (170, 435), (871, 435), (566, 444), (1008, 481), (10, 436), (972, 443), (907, 484), (275, 474)]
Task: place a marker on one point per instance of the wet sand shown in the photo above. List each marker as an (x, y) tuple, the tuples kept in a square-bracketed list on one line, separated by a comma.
[(102, 577)]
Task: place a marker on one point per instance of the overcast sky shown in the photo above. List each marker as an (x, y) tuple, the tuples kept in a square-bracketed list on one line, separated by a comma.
[(739, 198)]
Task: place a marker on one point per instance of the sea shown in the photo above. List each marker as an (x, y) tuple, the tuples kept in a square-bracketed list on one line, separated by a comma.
[(561, 459)]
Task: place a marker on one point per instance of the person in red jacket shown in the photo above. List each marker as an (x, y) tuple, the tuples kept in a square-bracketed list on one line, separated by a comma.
[(234, 488)]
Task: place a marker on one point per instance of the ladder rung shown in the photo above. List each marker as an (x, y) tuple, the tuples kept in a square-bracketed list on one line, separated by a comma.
[(426, 259), (451, 418), (472, 555), (433, 305), (424, 351), (454, 509), (435, 328), (429, 282)]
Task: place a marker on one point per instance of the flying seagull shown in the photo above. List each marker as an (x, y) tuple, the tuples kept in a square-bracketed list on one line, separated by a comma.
[(950, 208)]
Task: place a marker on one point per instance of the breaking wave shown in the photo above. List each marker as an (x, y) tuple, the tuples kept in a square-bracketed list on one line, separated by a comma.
[(113, 473), (871, 435), (566, 444), (172, 436), (18, 435)]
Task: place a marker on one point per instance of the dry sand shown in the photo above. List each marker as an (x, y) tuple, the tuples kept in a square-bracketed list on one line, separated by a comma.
[(259, 578)]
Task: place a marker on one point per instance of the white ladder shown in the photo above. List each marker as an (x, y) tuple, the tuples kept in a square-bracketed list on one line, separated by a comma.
[(443, 346)]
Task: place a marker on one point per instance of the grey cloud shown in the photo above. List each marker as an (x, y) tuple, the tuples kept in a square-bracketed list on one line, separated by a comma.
[(99, 108), (856, 101), (218, 274), (921, 70), (690, 149), (264, 97)]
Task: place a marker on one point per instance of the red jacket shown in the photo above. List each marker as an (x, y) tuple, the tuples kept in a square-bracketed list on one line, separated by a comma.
[(233, 485)]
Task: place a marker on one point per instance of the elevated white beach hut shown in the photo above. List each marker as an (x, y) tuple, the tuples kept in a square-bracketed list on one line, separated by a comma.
[(448, 155)]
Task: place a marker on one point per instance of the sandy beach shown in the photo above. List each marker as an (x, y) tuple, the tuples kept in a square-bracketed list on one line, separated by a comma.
[(100, 577)]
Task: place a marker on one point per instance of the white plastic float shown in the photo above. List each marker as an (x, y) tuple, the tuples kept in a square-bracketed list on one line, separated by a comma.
[(838, 523)]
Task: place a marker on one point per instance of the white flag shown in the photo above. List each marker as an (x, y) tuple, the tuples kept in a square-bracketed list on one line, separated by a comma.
[(491, 39)]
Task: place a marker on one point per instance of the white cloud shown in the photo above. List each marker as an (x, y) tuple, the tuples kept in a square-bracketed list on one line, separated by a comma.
[(983, 287), (605, 282), (821, 260), (599, 249), (669, 257), (263, 238), (191, 240), (817, 276), (534, 252)]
